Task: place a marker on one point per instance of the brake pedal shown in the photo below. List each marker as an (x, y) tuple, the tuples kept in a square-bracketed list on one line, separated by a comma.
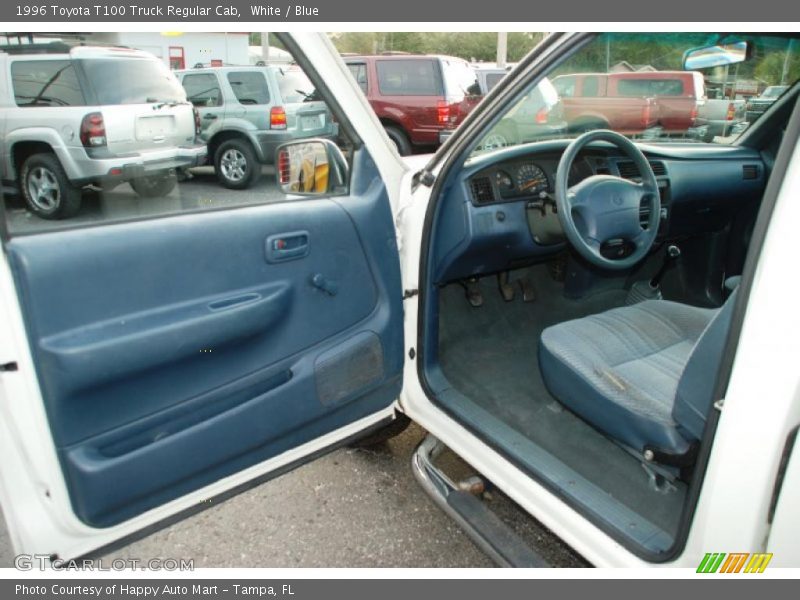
[(506, 289), (473, 290), (528, 293)]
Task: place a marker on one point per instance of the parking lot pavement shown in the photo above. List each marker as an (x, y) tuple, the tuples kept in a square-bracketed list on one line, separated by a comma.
[(122, 203), (351, 508)]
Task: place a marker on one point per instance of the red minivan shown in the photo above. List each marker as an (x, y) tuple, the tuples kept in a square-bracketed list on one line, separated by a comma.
[(420, 99)]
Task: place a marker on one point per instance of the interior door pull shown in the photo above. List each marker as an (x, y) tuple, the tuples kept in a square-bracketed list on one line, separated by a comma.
[(287, 246)]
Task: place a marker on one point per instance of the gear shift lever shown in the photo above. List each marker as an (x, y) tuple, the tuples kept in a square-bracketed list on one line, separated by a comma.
[(651, 290), (673, 254)]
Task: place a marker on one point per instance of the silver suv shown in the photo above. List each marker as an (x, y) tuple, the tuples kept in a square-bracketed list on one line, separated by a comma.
[(247, 111), (77, 116)]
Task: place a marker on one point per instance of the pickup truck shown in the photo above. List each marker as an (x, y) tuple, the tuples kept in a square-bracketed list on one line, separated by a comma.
[(721, 117), (660, 102)]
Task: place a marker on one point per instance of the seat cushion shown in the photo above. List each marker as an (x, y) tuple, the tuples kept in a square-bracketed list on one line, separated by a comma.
[(620, 369)]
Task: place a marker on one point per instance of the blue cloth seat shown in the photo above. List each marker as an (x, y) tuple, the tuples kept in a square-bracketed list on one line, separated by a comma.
[(642, 374)]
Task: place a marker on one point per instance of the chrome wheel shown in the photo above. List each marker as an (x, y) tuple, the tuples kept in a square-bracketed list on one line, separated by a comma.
[(493, 141), (43, 189), (233, 164)]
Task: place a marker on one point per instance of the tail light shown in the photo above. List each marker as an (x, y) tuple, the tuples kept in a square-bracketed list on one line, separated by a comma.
[(443, 113), (542, 116), (694, 113), (93, 130), (196, 120), (277, 118), (284, 169), (731, 112)]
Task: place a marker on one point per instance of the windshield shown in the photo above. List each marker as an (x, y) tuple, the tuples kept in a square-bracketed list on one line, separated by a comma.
[(635, 84), (132, 81), (295, 86)]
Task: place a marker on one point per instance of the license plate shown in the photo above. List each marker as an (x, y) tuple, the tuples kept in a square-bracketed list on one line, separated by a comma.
[(312, 121), (148, 128)]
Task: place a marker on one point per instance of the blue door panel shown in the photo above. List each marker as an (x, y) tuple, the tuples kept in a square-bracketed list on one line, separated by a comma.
[(176, 351)]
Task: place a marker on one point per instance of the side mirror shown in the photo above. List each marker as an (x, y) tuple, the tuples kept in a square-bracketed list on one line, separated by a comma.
[(312, 167), (716, 56)]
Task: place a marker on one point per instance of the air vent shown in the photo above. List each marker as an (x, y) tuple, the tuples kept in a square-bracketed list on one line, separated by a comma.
[(629, 170), (749, 171), (482, 191)]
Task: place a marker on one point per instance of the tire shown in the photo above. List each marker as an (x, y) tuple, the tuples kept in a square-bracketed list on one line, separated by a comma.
[(399, 139), (48, 192), (501, 137), (376, 438), (155, 186), (236, 164)]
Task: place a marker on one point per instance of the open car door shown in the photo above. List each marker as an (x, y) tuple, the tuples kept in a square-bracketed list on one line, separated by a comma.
[(151, 365)]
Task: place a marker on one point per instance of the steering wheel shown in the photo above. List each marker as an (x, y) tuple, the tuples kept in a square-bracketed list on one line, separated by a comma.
[(602, 208)]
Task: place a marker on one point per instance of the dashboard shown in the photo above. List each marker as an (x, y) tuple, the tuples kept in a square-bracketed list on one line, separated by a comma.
[(499, 214)]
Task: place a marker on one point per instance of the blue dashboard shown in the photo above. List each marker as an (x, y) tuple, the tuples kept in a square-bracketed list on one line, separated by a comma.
[(497, 213)]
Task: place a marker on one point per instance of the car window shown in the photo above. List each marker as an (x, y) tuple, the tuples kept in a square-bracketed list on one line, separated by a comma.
[(459, 78), (135, 155), (649, 95), (131, 81), (643, 88), (590, 86), (492, 79), (409, 78), (295, 86), (202, 90), (46, 83), (359, 72), (249, 87), (565, 86)]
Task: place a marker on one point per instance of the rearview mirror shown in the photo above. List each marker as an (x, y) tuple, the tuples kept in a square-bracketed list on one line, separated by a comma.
[(716, 56), (313, 167)]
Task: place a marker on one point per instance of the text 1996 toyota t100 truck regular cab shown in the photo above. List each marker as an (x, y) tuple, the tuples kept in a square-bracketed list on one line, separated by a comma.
[(623, 363)]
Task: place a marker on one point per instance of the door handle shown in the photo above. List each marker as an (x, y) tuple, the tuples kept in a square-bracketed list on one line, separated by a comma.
[(209, 117), (287, 246)]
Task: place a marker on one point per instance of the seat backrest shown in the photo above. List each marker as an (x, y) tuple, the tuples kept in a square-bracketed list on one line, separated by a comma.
[(695, 393)]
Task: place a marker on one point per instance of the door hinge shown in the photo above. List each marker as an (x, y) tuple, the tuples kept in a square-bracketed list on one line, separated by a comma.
[(719, 404), (410, 294)]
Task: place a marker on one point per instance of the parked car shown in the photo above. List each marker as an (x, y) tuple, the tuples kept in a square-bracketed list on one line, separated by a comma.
[(606, 368), (721, 117), (539, 114), (658, 102), (419, 99), (246, 112), (74, 116), (489, 75), (758, 106)]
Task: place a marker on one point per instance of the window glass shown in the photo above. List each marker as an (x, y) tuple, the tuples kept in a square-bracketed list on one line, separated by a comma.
[(202, 89), (492, 79), (138, 112), (249, 87), (409, 78), (295, 86), (46, 83), (590, 87), (131, 81), (460, 79), (635, 84), (359, 72)]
